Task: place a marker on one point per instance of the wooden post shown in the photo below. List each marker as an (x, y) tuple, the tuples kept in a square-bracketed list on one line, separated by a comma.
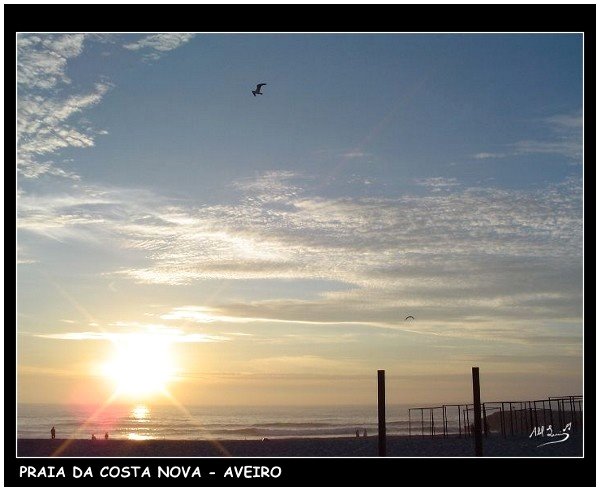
[(485, 423), (477, 413), (381, 410)]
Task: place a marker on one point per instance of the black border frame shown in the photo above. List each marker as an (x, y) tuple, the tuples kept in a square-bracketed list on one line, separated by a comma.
[(314, 18)]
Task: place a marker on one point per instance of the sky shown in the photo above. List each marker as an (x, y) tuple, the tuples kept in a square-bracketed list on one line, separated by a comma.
[(182, 241)]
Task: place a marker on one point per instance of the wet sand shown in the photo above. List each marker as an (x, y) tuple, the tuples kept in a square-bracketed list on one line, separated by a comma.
[(397, 446)]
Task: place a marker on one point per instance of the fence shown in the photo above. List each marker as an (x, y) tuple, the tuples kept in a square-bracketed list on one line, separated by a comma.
[(503, 417)]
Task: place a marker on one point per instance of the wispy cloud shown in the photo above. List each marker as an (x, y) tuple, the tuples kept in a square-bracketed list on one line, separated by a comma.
[(276, 311), (302, 364), (565, 137), (568, 147), (272, 186), (46, 105), (49, 106), (462, 258), (44, 127), (23, 257), (42, 58), (355, 154), (156, 45), (437, 184), (126, 332), (164, 336), (488, 155)]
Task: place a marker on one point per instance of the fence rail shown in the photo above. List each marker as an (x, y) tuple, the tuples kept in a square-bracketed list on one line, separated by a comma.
[(500, 417)]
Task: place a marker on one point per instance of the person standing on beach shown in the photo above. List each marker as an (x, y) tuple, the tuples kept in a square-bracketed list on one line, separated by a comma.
[(106, 435), (53, 433)]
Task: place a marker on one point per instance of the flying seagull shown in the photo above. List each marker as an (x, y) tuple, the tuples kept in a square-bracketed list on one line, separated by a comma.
[(257, 91), (409, 317)]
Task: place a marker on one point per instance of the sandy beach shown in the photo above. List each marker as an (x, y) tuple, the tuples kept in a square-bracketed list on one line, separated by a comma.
[(494, 446)]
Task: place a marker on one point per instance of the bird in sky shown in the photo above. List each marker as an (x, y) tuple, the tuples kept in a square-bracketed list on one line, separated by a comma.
[(257, 90), (409, 317)]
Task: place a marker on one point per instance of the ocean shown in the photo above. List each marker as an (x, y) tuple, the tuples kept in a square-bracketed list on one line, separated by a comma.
[(147, 421)]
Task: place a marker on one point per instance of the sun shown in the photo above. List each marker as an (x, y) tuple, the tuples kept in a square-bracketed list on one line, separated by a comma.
[(141, 367)]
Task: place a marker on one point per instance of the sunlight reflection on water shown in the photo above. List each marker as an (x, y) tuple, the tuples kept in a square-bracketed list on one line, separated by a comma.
[(137, 436), (140, 412)]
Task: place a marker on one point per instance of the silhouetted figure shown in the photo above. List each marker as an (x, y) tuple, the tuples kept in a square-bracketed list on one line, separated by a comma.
[(106, 435), (357, 433), (53, 433), (365, 433), (257, 90), (93, 436)]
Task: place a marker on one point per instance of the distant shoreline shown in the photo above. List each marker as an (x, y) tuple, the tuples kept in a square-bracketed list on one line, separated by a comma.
[(400, 446)]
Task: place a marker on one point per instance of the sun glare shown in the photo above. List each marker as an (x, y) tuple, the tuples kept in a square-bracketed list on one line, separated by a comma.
[(141, 367), (140, 412)]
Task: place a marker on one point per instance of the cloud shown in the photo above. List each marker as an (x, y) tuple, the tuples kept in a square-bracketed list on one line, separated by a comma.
[(42, 58), (46, 108), (488, 155), (302, 364), (279, 312), (76, 336), (167, 336), (437, 184), (156, 45), (566, 146), (70, 213), (560, 122), (565, 137), (47, 104), (55, 372), (43, 126), (270, 187), (459, 261), (23, 256), (31, 169), (520, 317), (355, 154), (122, 332), (202, 315)]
